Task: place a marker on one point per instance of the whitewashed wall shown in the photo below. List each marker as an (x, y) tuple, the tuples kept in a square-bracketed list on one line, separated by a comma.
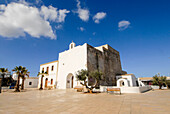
[(130, 77), (52, 74), (71, 61), (128, 89), (34, 82), (157, 87)]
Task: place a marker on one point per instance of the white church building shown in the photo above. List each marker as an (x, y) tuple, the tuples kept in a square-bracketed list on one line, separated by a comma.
[(61, 73)]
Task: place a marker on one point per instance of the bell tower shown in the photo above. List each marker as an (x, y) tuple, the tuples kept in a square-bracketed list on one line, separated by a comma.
[(72, 45)]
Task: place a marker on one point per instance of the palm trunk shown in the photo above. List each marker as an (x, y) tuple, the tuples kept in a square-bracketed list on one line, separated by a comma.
[(3, 79), (22, 86), (17, 86), (41, 83)]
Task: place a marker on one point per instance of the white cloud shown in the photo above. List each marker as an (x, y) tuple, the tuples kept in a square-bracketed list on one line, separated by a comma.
[(17, 19), (62, 15), (26, 2), (122, 25), (83, 13), (82, 29), (58, 27), (99, 16), (2, 7), (51, 13)]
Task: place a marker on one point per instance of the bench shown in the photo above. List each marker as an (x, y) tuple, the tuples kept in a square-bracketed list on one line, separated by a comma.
[(79, 88), (113, 89)]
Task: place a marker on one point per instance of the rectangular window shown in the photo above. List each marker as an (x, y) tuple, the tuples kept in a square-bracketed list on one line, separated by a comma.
[(42, 70), (52, 68), (30, 83)]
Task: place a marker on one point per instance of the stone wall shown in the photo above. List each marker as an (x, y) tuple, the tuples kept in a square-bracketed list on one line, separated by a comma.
[(107, 60)]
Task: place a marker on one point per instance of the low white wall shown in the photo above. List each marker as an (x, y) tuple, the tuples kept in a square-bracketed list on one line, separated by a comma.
[(157, 87), (127, 89), (144, 88), (130, 90)]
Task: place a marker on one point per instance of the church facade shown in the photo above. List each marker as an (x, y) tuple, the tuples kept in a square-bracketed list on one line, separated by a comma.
[(103, 58)]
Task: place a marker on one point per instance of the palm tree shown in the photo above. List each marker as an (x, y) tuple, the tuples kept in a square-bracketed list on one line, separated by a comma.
[(21, 72), (159, 80), (42, 76), (3, 71), (83, 75)]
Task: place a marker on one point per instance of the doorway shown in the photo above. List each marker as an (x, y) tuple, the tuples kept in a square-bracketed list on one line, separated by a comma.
[(70, 81), (46, 82)]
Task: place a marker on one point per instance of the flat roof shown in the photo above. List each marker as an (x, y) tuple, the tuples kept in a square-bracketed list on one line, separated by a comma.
[(125, 75), (150, 78), (49, 62), (31, 77)]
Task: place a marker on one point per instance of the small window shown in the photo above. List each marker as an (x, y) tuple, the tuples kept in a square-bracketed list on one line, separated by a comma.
[(52, 68), (30, 83), (42, 69)]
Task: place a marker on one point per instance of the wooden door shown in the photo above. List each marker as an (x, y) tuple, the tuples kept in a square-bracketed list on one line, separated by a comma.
[(72, 82), (46, 82)]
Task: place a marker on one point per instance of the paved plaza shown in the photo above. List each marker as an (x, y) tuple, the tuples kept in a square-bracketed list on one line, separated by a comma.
[(71, 102)]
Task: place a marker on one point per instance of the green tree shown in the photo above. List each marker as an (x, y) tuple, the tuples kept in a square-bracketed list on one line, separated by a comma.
[(159, 80), (3, 71), (83, 75), (21, 72), (42, 76)]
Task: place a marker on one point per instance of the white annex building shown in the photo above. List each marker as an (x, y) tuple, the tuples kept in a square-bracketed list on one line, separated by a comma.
[(127, 80), (61, 73), (49, 79)]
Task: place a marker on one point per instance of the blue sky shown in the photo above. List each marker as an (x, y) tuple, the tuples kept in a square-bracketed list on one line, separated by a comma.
[(138, 29)]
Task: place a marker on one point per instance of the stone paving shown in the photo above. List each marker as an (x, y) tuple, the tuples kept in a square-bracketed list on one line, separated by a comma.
[(69, 101)]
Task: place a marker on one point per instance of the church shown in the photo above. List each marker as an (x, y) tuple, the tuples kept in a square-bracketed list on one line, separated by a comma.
[(60, 74)]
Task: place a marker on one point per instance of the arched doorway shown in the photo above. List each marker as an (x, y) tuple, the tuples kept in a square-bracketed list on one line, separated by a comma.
[(122, 83), (70, 81)]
